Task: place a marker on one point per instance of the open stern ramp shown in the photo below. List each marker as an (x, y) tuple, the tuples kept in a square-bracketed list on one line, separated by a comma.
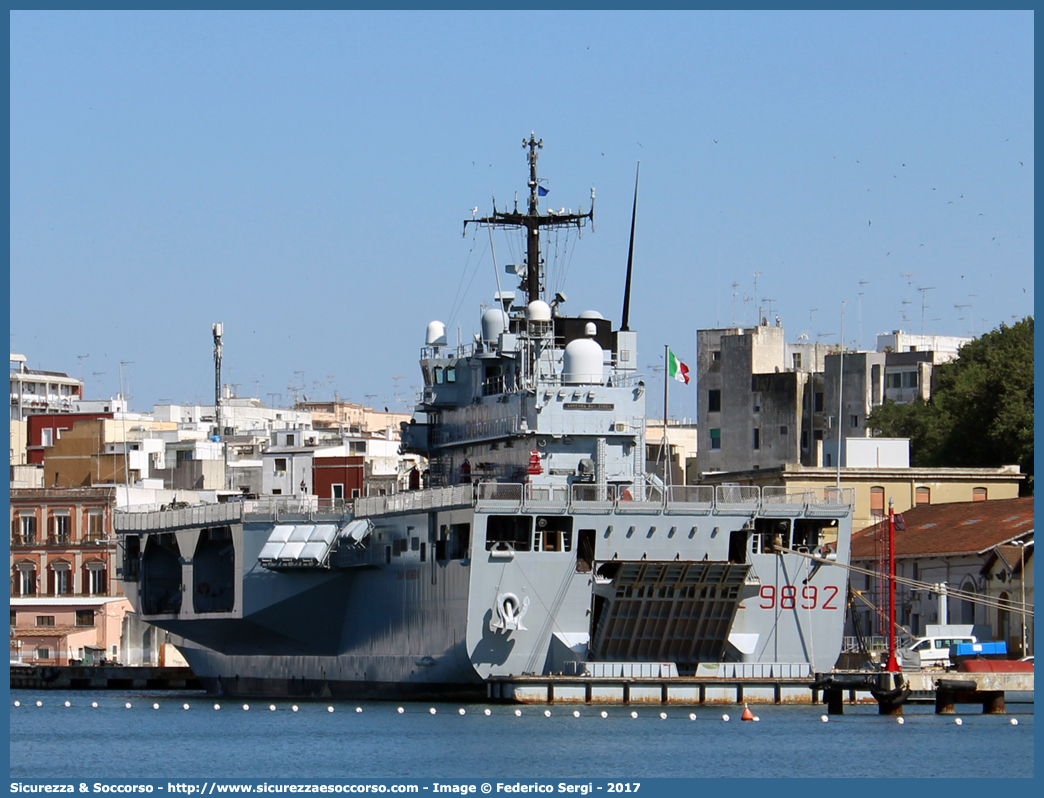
[(670, 612)]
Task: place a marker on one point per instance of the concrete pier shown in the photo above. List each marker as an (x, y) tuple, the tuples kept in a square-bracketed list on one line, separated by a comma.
[(102, 677)]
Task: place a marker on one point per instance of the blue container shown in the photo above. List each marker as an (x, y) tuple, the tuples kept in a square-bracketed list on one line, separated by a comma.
[(985, 649)]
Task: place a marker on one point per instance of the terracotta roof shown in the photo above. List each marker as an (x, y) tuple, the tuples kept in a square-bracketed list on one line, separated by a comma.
[(957, 528), (1012, 556)]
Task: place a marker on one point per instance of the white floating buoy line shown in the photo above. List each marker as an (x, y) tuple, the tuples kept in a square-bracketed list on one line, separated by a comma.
[(548, 711)]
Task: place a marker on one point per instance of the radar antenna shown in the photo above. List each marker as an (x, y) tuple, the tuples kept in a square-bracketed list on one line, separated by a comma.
[(532, 221)]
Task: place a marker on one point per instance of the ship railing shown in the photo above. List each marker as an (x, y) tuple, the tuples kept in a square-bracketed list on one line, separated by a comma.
[(547, 498), (690, 499), (640, 499), (737, 498), (281, 507), (147, 518), (777, 500), (498, 497), (830, 501), (589, 497), (415, 500)]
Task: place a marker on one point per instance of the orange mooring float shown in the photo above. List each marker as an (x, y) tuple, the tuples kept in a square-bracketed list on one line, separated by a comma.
[(747, 714)]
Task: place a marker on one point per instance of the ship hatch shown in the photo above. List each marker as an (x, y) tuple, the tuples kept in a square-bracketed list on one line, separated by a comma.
[(668, 612)]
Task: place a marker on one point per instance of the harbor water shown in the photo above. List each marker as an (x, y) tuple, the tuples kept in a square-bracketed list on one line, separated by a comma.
[(158, 738)]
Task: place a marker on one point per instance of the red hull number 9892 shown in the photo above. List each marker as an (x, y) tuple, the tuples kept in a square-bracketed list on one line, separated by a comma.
[(786, 598)]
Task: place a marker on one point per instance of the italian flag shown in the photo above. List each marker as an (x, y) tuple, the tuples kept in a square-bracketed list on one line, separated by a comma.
[(676, 369)]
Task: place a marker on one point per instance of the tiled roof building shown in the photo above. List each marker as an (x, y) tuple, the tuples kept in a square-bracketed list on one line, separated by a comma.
[(983, 548)]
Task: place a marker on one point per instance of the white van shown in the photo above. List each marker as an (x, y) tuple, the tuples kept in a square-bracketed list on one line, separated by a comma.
[(932, 651)]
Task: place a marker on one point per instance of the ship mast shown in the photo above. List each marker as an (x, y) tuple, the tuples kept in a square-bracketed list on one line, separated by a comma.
[(532, 221)]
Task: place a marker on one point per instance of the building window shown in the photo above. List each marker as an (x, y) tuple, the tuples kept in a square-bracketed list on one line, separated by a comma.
[(58, 531), (357, 447), (757, 438), (47, 437), (877, 500), (60, 578), (817, 404), (85, 617), (978, 494), (43, 653), (97, 578), (26, 579), (94, 527), (757, 403), (797, 360), (853, 421), (716, 355), (784, 430), (901, 379), (804, 439), (714, 401), (922, 495), (715, 436), (280, 466), (337, 491), (28, 529), (45, 620)]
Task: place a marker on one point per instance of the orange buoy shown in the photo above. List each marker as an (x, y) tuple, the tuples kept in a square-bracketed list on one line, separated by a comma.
[(747, 714)]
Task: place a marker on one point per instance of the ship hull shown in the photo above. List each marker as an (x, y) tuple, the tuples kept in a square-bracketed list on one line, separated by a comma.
[(423, 615)]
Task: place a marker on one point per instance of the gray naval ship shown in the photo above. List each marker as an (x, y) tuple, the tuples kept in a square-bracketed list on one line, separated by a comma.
[(538, 544)]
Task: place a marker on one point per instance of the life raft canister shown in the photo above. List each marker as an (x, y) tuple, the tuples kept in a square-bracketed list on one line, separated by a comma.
[(534, 466)]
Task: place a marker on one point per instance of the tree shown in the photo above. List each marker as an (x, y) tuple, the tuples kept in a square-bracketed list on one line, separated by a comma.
[(980, 413)]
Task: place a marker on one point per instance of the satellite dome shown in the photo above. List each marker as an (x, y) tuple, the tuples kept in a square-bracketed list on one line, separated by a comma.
[(436, 334), (538, 310), (494, 322), (582, 363), (591, 314)]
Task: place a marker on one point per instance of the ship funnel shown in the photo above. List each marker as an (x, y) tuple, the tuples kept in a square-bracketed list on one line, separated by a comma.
[(436, 334)]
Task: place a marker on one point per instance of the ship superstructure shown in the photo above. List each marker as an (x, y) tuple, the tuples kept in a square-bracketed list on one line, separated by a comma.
[(538, 544)]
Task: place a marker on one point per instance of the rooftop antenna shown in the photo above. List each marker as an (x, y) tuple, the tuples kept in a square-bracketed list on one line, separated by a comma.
[(630, 254), (756, 276), (123, 427), (861, 282), (840, 392), (80, 358), (734, 287), (960, 313), (218, 331), (768, 302), (924, 294)]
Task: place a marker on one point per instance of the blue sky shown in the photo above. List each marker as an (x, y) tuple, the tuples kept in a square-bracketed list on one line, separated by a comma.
[(303, 177)]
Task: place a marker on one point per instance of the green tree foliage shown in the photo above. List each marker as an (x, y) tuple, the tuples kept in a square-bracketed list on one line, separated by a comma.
[(981, 410)]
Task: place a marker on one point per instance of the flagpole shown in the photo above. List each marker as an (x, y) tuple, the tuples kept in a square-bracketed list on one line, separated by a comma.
[(663, 446)]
